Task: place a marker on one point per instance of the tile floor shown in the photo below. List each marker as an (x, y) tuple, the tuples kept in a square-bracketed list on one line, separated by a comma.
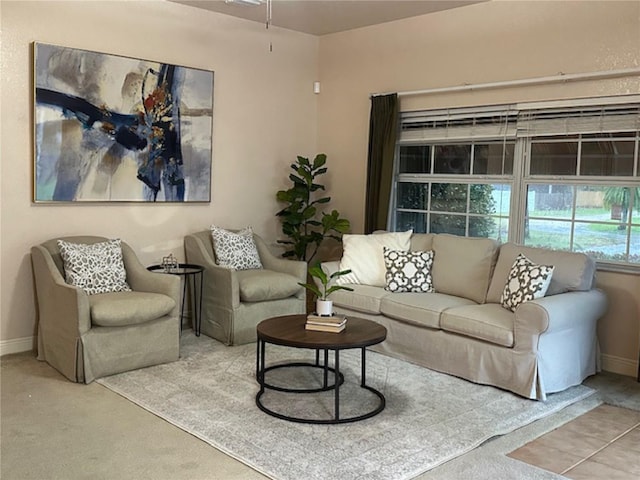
[(601, 444)]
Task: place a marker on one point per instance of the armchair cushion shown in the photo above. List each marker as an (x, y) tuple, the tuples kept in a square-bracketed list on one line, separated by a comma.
[(128, 308), (235, 250), (96, 268), (261, 285)]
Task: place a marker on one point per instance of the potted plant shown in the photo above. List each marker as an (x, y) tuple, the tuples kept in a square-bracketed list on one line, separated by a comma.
[(302, 221), (324, 306)]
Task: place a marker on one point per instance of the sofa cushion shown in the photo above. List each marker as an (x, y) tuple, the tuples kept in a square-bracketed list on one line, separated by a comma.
[(422, 242), (235, 250), (422, 309), (363, 256), (462, 266), (118, 309), (364, 298), (408, 271), (526, 281), (572, 271), (489, 322), (95, 267), (261, 285)]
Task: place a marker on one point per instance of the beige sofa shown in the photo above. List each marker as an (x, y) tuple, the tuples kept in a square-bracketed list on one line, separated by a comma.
[(546, 345)]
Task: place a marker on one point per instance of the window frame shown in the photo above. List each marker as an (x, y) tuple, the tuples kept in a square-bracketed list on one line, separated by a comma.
[(619, 112)]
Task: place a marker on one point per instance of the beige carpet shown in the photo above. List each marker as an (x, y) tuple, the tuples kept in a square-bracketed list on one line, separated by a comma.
[(430, 418)]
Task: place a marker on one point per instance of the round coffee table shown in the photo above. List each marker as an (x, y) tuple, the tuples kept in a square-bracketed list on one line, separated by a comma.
[(289, 331)]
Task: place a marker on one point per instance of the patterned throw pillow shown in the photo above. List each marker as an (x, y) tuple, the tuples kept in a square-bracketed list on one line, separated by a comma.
[(408, 271), (96, 267), (235, 250), (526, 281)]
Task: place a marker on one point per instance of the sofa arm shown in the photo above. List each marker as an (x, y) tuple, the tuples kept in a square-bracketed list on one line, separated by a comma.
[(222, 287), (555, 313), (296, 268)]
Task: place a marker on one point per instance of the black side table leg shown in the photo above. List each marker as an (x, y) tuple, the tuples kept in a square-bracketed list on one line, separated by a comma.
[(184, 298), (198, 311)]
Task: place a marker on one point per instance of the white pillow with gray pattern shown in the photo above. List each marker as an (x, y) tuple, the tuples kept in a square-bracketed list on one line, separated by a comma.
[(526, 281), (235, 250), (96, 267), (408, 271)]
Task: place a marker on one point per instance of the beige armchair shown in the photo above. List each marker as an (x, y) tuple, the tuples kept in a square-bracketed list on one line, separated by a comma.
[(235, 301), (86, 337)]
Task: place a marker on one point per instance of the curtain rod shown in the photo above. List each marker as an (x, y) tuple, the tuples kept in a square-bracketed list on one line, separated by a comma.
[(561, 77)]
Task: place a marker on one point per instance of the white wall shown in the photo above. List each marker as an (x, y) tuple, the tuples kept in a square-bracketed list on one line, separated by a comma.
[(264, 115), (488, 42)]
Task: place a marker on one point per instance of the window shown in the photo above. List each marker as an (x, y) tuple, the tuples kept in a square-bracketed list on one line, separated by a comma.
[(563, 177)]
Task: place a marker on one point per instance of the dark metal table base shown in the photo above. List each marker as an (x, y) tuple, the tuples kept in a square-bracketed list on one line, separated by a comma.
[(338, 380)]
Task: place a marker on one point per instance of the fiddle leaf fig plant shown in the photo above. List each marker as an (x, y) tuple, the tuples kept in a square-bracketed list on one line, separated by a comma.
[(305, 225), (316, 271)]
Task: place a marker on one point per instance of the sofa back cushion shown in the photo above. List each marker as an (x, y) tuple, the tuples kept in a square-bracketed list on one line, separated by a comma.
[(572, 271), (422, 242), (462, 266)]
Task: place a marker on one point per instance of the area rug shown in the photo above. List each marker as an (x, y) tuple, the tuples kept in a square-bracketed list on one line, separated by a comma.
[(430, 418)]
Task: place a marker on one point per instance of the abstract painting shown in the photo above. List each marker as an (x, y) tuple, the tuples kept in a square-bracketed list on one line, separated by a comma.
[(110, 128)]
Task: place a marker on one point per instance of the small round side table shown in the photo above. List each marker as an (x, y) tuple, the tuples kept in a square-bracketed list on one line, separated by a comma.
[(195, 273)]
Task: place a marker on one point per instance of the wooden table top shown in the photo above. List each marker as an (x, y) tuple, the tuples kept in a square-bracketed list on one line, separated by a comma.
[(289, 331)]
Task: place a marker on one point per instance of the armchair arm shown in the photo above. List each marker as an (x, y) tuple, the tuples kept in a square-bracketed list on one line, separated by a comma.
[(222, 283), (142, 280), (555, 313), (61, 306), (297, 268)]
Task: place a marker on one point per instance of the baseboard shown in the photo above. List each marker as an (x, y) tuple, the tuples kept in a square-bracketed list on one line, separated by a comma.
[(622, 366), (17, 345)]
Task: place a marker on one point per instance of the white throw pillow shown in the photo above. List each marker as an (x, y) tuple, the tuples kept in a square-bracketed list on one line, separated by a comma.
[(96, 267), (408, 271), (363, 255), (526, 281), (235, 250)]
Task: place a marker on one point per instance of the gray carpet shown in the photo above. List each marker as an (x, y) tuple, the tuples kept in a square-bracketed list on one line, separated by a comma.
[(430, 418)]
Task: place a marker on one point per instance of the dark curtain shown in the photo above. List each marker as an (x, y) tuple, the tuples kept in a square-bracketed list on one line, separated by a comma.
[(383, 129)]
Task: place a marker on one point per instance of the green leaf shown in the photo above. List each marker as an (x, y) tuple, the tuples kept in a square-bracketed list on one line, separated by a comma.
[(296, 180), (320, 160), (303, 161), (335, 288), (340, 273)]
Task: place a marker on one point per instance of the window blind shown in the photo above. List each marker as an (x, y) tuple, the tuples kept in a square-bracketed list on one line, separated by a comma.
[(552, 122), (457, 125), (511, 121)]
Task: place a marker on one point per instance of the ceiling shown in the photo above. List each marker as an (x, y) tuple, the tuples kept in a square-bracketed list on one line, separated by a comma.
[(320, 17)]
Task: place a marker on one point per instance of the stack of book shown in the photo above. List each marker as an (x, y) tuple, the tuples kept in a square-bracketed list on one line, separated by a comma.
[(320, 323)]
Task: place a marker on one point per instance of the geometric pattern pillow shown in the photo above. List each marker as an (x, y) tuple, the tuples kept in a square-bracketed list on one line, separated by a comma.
[(526, 281), (235, 250), (96, 267), (408, 271)]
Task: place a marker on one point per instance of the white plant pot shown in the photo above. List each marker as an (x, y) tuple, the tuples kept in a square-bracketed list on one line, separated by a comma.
[(324, 307)]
